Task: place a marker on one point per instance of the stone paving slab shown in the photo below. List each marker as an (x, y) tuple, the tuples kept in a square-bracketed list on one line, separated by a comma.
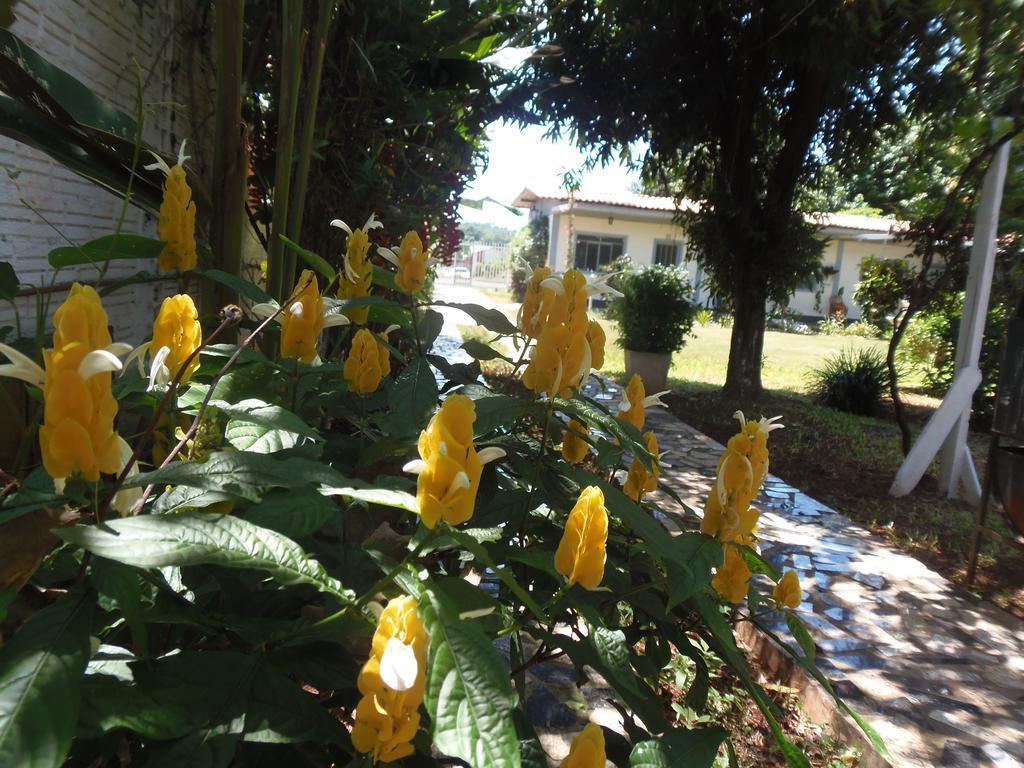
[(939, 674)]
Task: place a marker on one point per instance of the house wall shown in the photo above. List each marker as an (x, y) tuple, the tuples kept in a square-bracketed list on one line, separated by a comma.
[(842, 252), (97, 41)]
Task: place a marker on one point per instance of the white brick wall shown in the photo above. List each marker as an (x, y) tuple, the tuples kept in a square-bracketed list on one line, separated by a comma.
[(98, 42)]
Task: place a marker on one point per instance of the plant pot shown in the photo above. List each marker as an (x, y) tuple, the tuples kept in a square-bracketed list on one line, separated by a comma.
[(837, 309), (652, 367)]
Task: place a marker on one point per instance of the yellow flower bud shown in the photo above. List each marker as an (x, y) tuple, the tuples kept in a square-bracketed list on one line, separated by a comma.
[(368, 362), (596, 339), (787, 591), (177, 328), (574, 447), (82, 319), (639, 481), (412, 264), (303, 320), (392, 683), (536, 305), (733, 576), (581, 552), (77, 434), (634, 397), (177, 227), (449, 473), (357, 276), (587, 750)]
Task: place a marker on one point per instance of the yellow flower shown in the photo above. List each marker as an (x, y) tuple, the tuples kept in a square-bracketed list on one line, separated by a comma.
[(177, 227), (357, 275), (392, 684), (412, 262), (639, 481), (536, 303), (635, 400), (596, 339), (302, 322), (82, 319), (741, 470), (560, 360), (587, 750), (581, 552), (733, 576), (787, 591), (368, 362), (574, 447), (449, 466), (176, 335)]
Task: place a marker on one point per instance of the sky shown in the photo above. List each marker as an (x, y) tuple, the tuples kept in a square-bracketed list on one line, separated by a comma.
[(521, 157)]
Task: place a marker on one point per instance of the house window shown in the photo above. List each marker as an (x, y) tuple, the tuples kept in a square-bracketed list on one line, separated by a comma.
[(593, 251), (668, 253)]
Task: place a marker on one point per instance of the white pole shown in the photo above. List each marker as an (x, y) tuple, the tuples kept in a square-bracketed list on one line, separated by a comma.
[(972, 322)]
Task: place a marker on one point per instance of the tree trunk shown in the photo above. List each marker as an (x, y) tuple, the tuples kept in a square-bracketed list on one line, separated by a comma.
[(899, 328), (743, 379)]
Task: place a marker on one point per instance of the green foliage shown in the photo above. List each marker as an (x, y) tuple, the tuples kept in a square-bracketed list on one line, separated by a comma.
[(883, 286), (656, 311), (852, 381), (529, 246), (486, 233)]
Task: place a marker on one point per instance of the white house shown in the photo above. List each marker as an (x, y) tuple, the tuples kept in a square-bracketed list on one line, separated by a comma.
[(644, 228)]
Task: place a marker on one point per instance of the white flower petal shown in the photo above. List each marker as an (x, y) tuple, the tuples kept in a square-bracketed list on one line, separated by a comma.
[(341, 225), (398, 665), (477, 613), (119, 348), (415, 467), (655, 399), (624, 404), (160, 163), (98, 361), (22, 367), (487, 455), (372, 223), (390, 328), (159, 373), (389, 255), (350, 273), (553, 284), (296, 309), (738, 415), (335, 318), (266, 309), (460, 481), (137, 354), (182, 157)]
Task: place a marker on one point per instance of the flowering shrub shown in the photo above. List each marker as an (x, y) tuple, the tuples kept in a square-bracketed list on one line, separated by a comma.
[(308, 542)]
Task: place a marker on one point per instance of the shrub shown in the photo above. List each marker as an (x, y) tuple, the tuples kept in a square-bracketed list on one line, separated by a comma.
[(882, 287), (529, 246), (863, 329), (517, 282), (831, 326), (655, 313), (704, 316), (852, 381)]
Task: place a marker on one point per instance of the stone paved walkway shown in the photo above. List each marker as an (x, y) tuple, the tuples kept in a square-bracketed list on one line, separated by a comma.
[(938, 674)]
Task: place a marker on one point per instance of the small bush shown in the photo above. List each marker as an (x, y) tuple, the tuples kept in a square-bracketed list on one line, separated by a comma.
[(883, 286), (655, 313), (517, 283), (852, 381), (831, 326), (863, 329), (704, 317)]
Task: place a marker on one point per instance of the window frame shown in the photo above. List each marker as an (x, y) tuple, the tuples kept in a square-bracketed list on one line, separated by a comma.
[(680, 258), (624, 239)]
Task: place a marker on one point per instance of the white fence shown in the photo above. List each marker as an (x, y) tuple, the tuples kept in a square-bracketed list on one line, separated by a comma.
[(487, 265)]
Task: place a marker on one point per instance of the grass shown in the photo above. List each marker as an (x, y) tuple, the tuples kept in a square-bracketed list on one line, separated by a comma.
[(788, 357)]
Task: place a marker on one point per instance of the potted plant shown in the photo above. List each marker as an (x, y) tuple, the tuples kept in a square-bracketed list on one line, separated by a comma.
[(654, 315), (836, 306)]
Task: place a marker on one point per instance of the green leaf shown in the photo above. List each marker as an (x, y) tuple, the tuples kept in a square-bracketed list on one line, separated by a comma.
[(357, 490), (280, 712), (253, 410), (257, 438), (292, 513), (181, 497), (502, 411), (40, 673), (108, 247), (589, 413), (8, 281), (469, 695), (194, 538), (318, 263), (491, 319), (803, 637), (238, 284), (480, 351), (679, 747), (413, 397), (431, 323), (248, 475), (480, 553), (109, 703), (36, 492), (607, 651)]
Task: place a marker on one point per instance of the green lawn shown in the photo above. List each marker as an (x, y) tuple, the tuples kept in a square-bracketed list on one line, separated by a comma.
[(788, 357)]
